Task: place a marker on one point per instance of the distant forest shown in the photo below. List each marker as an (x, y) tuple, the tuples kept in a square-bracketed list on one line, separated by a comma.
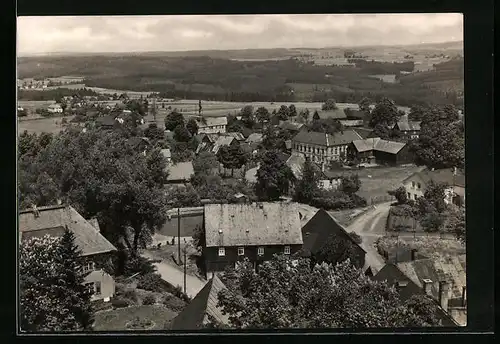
[(202, 77)]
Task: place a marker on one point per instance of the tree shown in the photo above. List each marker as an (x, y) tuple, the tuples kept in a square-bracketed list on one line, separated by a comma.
[(329, 125), (154, 133), (441, 143), (316, 116), (350, 184), (287, 293), (262, 115), (292, 111), (192, 126), (283, 113), (435, 195), (247, 116), (307, 187), (337, 250), (330, 104), (205, 163), (181, 134), (231, 157), (305, 115), (49, 268), (356, 237), (180, 197), (273, 177), (432, 222), (385, 113), (455, 223), (364, 105), (274, 139), (173, 120), (417, 113), (382, 131), (400, 194)]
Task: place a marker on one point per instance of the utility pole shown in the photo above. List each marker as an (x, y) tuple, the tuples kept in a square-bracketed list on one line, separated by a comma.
[(179, 231), (185, 269)]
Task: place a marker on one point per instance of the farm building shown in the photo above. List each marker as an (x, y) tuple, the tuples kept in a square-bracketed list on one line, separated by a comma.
[(55, 108), (211, 125), (95, 249), (180, 173), (380, 151), (409, 129), (255, 231), (335, 114)]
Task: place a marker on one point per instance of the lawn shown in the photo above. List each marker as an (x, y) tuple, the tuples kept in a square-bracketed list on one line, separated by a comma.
[(117, 319), (48, 125)]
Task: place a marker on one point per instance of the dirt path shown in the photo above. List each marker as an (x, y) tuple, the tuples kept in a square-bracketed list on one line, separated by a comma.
[(176, 277), (370, 226)]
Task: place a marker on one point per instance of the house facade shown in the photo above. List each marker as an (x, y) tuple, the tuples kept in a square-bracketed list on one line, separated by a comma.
[(328, 180), (255, 231), (409, 129), (96, 251), (323, 148), (55, 108), (212, 125), (417, 183)]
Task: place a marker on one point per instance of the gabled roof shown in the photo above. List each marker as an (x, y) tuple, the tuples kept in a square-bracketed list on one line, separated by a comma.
[(254, 138), (181, 171), (53, 220), (363, 132), (324, 139), (237, 135), (296, 163), (252, 224), (450, 269), (444, 175), (318, 229), (408, 125), (377, 144), (211, 121), (201, 307), (358, 114), (221, 142), (292, 126), (336, 114)]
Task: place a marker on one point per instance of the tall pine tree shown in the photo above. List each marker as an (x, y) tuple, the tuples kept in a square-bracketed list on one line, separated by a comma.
[(307, 187)]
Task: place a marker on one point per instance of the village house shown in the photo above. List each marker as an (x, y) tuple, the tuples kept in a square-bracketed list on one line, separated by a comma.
[(202, 311), (409, 129), (95, 249), (223, 141), (328, 180), (323, 148), (352, 123), (237, 135), (441, 278), (293, 127), (335, 114), (254, 138), (417, 183), (377, 150), (255, 231), (180, 173), (106, 122), (55, 108), (323, 227), (211, 125), (365, 133)]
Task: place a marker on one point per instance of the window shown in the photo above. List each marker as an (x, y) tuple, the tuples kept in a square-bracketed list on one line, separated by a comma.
[(222, 251), (90, 287), (260, 251), (287, 250), (409, 195), (413, 184), (241, 251), (97, 288), (87, 267), (419, 186)]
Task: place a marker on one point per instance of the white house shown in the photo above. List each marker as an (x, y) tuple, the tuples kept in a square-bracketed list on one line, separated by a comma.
[(417, 183), (55, 108), (329, 180), (212, 125)]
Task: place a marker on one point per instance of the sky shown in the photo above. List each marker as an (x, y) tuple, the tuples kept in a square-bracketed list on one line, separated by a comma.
[(89, 34)]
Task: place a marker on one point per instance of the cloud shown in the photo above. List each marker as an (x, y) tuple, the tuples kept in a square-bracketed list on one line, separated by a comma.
[(171, 33)]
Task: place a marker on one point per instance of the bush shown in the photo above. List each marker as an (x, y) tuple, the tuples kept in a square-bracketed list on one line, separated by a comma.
[(332, 200), (151, 282), (356, 237), (120, 303), (173, 303), (180, 294), (130, 294), (137, 264), (149, 300)]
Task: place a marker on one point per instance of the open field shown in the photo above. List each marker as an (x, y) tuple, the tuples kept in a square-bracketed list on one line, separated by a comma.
[(39, 125), (117, 319)]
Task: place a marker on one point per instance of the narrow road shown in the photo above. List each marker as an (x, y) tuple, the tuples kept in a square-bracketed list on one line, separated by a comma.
[(176, 277), (370, 226)]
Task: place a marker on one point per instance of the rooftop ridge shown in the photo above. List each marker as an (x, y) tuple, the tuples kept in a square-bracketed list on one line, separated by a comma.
[(47, 207)]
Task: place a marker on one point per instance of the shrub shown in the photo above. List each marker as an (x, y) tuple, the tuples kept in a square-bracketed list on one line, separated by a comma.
[(130, 294), (357, 238), (135, 264), (173, 303), (151, 282), (120, 303), (180, 294), (140, 324), (149, 300)]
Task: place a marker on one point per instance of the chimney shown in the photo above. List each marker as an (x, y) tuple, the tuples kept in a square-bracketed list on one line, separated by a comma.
[(413, 254), (427, 286), (444, 292), (464, 296)]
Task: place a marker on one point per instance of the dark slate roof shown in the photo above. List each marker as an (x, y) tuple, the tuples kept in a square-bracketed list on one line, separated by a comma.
[(444, 175), (204, 304), (319, 228), (363, 132), (358, 114), (408, 125), (292, 126), (378, 144), (53, 220), (324, 139), (336, 114), (252, 224)]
